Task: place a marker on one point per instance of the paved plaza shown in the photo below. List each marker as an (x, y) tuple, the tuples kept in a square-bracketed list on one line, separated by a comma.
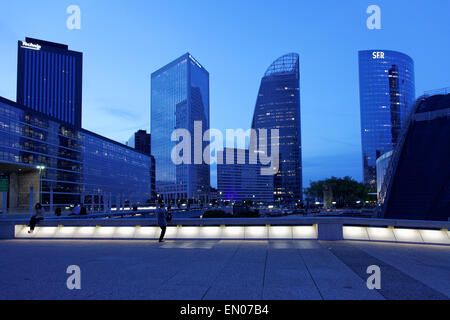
[(222, 270)]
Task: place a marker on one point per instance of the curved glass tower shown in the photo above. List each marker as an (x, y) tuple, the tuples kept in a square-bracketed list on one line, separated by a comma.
[(278, 107), (387, 94)]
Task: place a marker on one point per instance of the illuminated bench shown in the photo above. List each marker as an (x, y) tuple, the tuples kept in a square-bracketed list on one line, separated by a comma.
[(236, 229)]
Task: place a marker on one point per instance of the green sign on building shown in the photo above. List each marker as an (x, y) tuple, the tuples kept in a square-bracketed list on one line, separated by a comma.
[(3, 185)]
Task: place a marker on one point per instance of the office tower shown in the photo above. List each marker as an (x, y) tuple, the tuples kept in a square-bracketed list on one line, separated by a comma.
[(49, 79), (179, 98), (239, 180), (278, 107), (417, 185), (153, 194), (79, 166), (46, 156), (141, 141), (387, 93)]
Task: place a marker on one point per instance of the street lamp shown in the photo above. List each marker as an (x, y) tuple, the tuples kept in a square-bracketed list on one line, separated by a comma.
[(40, 182)]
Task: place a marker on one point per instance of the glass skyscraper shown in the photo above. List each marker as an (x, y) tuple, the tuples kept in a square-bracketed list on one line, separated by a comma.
[(45, 155), (387, 94), (49, 78), (111, 168), (238, 179), (78, 164), (141, 141), (29, 139), (278, 107), (179, 97)]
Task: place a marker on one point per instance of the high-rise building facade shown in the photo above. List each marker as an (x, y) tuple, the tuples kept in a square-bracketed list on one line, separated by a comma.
[(141, 141), (179, 99), (278, 107), (387, 93), (49, 80), (78, 164), (238, 179), (111, 168), (45, 155)]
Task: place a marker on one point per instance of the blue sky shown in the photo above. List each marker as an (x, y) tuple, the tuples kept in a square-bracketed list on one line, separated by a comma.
[(125, 41)]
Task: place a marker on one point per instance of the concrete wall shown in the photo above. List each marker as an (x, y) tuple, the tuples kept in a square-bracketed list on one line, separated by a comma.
[(19, 190), (13, 190), (1, 202), (25, 181)]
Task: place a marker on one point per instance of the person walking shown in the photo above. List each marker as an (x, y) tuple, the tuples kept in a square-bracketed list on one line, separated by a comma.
[(161, 215), (38, 216)]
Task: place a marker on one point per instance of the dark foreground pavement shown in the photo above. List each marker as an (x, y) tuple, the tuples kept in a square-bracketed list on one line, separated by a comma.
[(210, 270)]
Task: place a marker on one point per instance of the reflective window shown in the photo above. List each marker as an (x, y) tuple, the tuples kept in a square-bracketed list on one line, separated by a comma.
[(387, 94), (179, 96), (278, 107)]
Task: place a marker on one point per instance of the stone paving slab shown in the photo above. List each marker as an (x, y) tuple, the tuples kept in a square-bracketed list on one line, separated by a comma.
[(212, 270), (333, 278), (428, 264), (395, 284)]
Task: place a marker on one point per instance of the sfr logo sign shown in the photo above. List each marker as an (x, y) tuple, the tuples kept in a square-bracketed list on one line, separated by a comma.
[(378, 55)]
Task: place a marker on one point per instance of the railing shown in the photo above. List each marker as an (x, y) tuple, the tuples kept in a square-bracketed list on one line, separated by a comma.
[(118, 214), (388, 180), (445, 90), (243, 222)]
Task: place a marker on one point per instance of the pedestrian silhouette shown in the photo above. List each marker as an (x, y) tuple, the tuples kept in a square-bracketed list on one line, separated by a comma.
[(36, 217), (161, 215)]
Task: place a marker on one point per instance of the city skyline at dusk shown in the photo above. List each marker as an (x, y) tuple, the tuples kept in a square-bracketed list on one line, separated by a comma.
[(236, 50), (225, 159)]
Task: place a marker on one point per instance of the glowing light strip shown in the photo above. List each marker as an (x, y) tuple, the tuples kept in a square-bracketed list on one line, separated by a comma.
[(397, 235), (232, 232), (204, 232)]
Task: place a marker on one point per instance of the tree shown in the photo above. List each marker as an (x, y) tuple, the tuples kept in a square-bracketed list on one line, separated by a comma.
[(346, 191)]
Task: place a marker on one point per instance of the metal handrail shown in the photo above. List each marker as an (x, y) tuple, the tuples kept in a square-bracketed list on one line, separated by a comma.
[(395, 158), (304, 221)]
